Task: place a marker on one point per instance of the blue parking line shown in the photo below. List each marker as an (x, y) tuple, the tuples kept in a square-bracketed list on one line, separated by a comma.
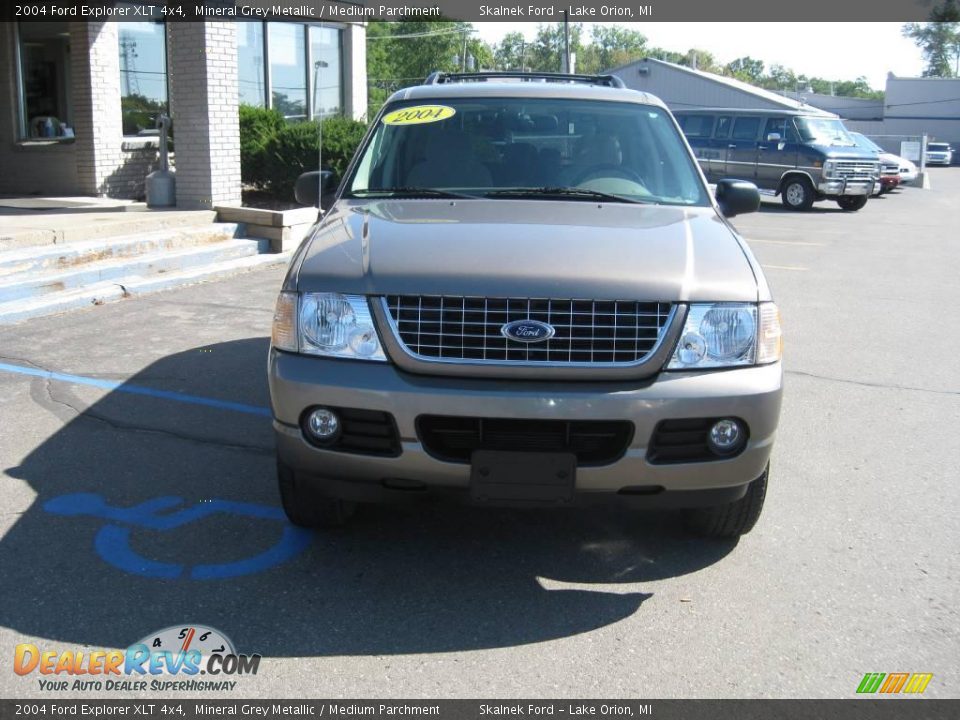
[(124, 387)]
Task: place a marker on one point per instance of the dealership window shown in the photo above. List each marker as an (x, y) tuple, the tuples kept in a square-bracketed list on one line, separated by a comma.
[(251, 70), (143, 75), (326, 74), (288, 69), (45, 80), (296, 68)]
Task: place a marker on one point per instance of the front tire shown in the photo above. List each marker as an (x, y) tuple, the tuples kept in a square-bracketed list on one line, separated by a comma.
[(730, 520), (797, 193), (852, 203), (306, 507)]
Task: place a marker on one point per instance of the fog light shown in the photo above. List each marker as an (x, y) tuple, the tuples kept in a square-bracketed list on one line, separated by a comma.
[(726, 437), (323, 425)]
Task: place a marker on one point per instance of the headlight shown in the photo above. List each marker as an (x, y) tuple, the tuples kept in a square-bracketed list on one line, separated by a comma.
[(327, 324), (829, 167), (719, 335)]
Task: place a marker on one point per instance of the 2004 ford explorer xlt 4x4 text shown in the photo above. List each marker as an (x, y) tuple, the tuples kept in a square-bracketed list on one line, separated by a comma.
[(524, 294)]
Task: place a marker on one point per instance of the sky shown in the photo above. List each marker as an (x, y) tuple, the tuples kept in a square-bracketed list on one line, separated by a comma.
[(834, 51)]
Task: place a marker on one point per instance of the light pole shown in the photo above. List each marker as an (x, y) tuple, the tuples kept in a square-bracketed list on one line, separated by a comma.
[(317, 66)]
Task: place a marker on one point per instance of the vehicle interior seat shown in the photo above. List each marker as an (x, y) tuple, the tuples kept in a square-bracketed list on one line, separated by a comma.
[(449, 162), (519, 167)]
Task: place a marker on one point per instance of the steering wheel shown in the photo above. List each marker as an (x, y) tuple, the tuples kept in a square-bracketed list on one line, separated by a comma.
[(607, 170)]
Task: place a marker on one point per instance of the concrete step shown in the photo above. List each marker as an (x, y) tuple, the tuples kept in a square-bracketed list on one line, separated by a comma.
[(131, 286), (62, 258), (34, 229), (34, 284)]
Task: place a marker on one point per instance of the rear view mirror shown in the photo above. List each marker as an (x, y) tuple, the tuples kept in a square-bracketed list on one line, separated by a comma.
[(311, 185), (773, 137), (737, 197)]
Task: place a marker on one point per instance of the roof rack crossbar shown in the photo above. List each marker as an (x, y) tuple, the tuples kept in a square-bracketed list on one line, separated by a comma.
[(439, 78)]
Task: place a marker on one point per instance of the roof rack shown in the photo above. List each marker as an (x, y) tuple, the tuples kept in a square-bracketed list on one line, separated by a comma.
[(441, 78)]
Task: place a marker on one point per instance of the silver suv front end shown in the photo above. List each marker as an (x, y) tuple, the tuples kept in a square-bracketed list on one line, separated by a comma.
[(659, 402)]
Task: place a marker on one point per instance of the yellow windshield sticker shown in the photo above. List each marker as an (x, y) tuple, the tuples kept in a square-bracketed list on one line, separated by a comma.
[(419, 114)]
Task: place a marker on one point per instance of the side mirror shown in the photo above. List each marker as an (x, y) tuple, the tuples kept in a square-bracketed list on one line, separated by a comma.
[(737, 197), (312, 184), (773, 137)]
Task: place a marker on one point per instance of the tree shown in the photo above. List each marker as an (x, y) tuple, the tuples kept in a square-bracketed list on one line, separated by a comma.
[(611, 46), (400, 54), (546, 50), (746, 69), (509, 53), (939, 40)]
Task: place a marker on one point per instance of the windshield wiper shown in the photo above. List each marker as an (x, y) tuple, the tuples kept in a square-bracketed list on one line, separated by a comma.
[(559, 191), (410, 192)]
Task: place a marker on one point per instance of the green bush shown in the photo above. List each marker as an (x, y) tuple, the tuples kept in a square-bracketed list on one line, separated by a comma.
[(293, 150), (258, 127)]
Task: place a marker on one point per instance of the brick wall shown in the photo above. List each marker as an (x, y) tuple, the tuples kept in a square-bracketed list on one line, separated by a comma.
[(202, 68), (94, 47)]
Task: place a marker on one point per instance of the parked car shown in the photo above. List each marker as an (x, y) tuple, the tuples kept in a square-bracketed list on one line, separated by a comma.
[(908, 172), (801, 156), (889, 163), (524, 294), (939, 153)]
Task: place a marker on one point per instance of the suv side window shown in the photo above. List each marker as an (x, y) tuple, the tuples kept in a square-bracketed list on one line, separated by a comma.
[(775, 125), (723, 127), (697, 126), (745, 128)]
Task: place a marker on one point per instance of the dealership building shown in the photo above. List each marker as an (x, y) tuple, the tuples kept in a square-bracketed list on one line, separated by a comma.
[(79, 99)]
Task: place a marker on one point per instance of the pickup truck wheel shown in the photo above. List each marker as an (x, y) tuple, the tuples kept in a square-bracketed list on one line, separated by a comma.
[(797, 193), (306, 507), (852, 203), (732, 519)]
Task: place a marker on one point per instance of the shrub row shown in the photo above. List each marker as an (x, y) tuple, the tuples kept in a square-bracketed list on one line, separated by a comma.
[(273, 152)]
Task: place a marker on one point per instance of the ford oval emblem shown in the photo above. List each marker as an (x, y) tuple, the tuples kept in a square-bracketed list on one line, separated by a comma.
[(527, 331)]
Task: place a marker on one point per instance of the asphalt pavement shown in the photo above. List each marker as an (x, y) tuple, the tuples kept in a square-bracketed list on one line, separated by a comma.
[(159, 404)]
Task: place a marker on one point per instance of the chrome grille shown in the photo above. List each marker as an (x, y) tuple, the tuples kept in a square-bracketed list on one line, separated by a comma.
[(856, 169), (455, 329)]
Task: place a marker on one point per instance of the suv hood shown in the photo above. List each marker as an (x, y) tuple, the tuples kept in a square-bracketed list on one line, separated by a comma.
[(526, 248)]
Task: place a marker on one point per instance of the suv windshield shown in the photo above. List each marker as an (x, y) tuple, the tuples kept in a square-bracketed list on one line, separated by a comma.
[(824, 131), (938, 147), (528, 147)]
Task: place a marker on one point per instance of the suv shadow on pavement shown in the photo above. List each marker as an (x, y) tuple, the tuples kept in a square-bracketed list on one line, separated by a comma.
[(408, 579)]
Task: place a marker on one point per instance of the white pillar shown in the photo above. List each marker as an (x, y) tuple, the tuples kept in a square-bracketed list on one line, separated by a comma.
[(202, 68), (355, 70)]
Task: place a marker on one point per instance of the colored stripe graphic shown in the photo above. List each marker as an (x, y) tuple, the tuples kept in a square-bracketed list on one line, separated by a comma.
[(918, 682), (894, 683), (870, 682)]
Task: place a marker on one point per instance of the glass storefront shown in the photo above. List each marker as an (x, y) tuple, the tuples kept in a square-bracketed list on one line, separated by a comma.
[(143, 75), (296, 68)]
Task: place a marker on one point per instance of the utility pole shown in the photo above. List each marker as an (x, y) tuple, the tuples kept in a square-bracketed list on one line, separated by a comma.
[(566, 42)]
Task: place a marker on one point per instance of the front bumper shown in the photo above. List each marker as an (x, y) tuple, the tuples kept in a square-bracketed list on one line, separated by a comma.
[(298, 382), (843, 186)]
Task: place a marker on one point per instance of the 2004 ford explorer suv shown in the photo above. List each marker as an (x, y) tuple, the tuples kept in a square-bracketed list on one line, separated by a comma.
[(524, 294), (801, 156)]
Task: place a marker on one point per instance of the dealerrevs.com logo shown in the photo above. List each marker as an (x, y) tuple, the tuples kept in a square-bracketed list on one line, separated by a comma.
[(168, 660)]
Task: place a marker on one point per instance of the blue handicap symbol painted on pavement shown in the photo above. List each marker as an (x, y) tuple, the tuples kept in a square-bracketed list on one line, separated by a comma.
[(113, 541)]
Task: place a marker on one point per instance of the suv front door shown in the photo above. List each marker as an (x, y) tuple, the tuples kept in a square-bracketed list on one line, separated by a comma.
[(777, 151)]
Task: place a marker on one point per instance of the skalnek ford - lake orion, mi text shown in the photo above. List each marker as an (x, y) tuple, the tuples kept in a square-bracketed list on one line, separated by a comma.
[(573, 11)]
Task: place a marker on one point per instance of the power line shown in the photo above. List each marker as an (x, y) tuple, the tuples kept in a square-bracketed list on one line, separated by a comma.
[(429, 33)]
